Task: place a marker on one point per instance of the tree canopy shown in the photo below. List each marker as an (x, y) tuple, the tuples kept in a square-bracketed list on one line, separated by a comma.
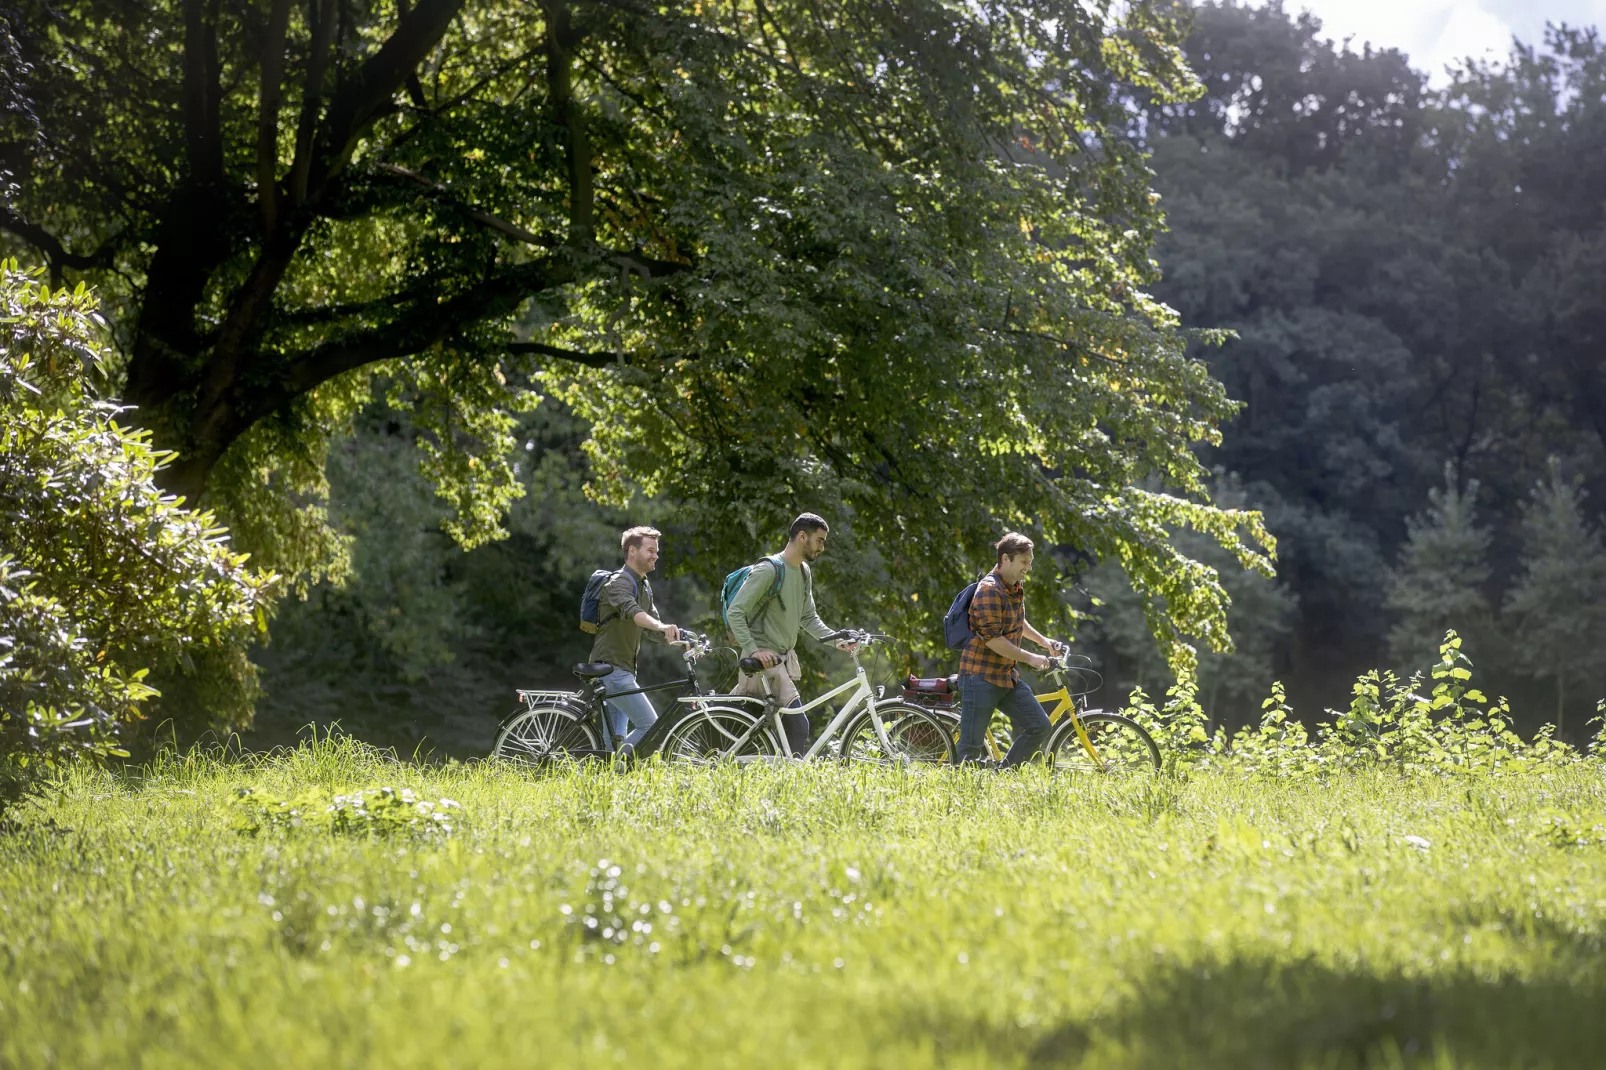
[(884, 258)]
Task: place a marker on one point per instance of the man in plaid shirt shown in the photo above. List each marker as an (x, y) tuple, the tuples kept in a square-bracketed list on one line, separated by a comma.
[(988, 679)]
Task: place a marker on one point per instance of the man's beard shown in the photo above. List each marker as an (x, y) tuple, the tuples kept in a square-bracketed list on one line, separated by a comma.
[(812, 554)]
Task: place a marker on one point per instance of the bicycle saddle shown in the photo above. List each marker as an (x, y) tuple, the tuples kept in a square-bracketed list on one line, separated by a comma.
[(751, 665), (591, 670)]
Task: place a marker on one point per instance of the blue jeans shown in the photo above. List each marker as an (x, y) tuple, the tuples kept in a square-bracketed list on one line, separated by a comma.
[(636, 710), (1027, 720)]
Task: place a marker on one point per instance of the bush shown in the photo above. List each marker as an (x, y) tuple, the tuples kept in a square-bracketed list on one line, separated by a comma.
[(103, 578), (1390, 723)]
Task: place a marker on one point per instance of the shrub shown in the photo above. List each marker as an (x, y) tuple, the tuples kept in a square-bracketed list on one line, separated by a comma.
[(1389, 723), (103, 578), (369, 812)]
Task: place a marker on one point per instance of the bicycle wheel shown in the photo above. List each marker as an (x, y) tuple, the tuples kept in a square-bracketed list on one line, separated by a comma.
[(710, 735), (916, 735), (1116, 746), (533, 736)]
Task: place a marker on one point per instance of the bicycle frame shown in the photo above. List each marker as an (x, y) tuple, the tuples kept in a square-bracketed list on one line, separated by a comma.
[(1064, 705), (599, 697), (591, 699), (863, 695)]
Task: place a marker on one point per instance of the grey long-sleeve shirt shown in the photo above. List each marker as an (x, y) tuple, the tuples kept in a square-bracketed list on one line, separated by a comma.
[(776, 625)]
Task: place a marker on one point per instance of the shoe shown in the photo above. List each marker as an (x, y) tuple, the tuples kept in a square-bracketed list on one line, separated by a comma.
[(986, 765)]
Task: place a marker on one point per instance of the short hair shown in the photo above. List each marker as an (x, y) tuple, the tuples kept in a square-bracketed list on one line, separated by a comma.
[(810, 522), (635, 537), (1013, 543)]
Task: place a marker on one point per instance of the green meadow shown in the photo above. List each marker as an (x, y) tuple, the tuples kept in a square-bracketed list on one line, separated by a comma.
[(799, 916)]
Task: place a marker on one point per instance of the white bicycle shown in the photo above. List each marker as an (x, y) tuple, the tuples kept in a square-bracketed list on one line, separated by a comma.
[(867, 728)]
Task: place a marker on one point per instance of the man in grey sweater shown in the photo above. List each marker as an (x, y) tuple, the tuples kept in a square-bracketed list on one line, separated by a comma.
[(766, 626)]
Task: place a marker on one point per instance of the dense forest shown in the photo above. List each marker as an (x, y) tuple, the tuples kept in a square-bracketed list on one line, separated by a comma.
[(1417, 283), (1412, 280)]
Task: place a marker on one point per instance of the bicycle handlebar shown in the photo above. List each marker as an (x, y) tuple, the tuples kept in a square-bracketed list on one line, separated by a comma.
[(1060, 660), (857, 636), (697, 646)]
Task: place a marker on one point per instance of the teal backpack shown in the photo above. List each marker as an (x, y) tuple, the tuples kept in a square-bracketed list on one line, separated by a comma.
[(733, 583)]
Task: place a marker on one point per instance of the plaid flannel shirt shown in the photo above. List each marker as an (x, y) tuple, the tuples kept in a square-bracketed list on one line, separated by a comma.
[(995, 611)]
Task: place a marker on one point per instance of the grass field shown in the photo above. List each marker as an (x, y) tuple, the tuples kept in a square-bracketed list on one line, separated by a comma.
[(813, 916)]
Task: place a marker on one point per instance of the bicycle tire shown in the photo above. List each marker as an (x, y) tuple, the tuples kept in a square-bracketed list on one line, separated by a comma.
[(535, 736), (996, 737), (917, 736), (705, 736), (1123, 747)]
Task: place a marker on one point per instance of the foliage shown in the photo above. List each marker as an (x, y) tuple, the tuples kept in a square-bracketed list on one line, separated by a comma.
[(877, 260), (1414, 277), (1556, 609), (369, 812), (1230, 683), (1388, 724), (102, 577), (1349, 920)]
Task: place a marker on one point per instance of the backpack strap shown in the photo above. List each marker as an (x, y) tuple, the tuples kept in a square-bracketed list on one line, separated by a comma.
[(778, 567), (605, 604)]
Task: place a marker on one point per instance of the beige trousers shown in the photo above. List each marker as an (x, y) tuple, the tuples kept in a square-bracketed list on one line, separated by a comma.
[(782, 677)]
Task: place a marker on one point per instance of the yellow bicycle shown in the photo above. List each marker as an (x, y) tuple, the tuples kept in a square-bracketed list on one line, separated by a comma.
[(1082, 740)]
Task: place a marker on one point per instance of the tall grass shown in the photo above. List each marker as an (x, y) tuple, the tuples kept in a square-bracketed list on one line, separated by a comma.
[(805, 916)]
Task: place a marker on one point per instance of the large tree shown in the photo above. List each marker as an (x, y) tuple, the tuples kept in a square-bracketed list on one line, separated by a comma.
[(889, 257)]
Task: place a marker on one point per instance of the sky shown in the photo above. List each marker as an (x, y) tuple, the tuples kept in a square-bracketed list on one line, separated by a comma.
[(1434, 33)]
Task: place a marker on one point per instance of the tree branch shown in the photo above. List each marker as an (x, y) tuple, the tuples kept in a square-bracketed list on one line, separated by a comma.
[(427, 323), (561, 38), (512, 230), (376, 82), (320, 14), (415, 88), (268, 114), (56, 253), (203, 126), (591, 360)]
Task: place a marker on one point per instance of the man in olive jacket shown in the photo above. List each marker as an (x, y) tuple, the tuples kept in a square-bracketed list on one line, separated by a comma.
[(625, 616), (766, 625)]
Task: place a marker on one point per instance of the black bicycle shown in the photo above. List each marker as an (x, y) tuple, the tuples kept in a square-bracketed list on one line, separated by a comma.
[(573, 724)]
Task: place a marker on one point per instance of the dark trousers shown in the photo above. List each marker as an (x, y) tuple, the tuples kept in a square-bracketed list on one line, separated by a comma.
[(1027, 720), (797, 730)]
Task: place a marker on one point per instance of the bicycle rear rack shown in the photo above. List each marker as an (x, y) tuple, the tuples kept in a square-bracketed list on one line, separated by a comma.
[(532, 699)]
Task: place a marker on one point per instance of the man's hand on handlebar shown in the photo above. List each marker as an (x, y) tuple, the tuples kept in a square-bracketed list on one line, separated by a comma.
[(847, 646)]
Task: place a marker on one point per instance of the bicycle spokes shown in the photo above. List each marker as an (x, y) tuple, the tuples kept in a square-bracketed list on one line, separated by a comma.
[(1103, 743)]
